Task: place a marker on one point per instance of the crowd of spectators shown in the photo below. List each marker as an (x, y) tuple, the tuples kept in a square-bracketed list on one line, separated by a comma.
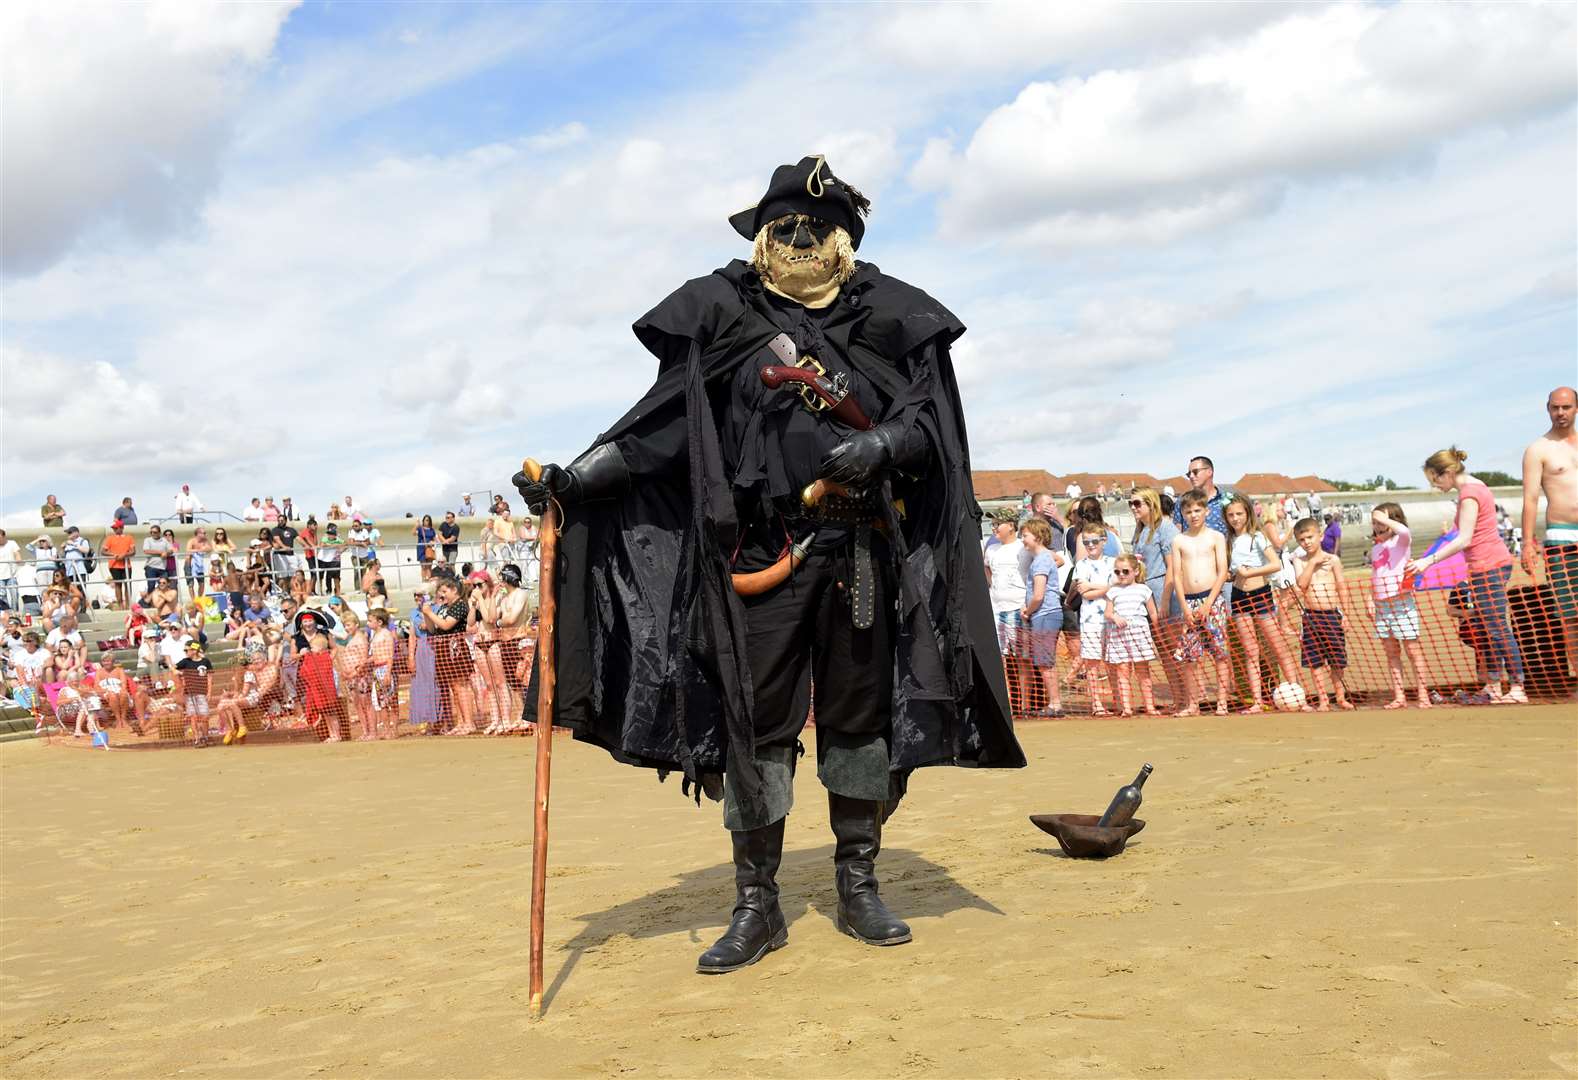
[(458, 665), (1064, 582)]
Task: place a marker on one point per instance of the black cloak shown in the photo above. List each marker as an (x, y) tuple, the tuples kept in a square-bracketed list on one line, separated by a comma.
[(650, 635)]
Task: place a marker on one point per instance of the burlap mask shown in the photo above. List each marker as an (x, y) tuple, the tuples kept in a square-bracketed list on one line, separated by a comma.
[(803, 259)]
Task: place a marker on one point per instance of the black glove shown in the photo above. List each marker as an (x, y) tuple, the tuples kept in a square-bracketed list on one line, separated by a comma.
[(860, 459), (600, 473), (537, 492)]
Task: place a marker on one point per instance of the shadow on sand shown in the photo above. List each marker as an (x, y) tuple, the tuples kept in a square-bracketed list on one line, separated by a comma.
[(914, 886)]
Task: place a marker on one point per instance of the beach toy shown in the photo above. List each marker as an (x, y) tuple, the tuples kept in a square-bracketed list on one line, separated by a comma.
[(1081, 838), (101, 738)]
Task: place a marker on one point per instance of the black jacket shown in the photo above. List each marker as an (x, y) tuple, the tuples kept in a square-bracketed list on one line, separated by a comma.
[(650, 635)]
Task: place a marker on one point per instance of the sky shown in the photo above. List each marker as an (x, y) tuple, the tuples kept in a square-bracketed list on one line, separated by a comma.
[(389, 250)]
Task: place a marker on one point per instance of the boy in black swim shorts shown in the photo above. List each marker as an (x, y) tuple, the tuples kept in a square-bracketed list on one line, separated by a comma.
[(1322, 642)]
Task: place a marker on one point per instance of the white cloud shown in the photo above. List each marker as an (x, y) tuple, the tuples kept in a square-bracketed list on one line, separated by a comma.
[(117, 115), (1559, 284), (558, 138), (66, 418), (1151, 153), (414, 490), (1014, 35)]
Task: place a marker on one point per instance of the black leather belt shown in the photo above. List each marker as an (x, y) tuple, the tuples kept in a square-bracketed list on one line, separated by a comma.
[(859, 516)]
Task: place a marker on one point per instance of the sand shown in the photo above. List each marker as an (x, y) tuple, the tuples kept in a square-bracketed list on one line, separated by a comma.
[(1376, 894)]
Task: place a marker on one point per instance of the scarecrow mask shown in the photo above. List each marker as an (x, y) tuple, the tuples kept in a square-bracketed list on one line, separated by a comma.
[(803, 258)]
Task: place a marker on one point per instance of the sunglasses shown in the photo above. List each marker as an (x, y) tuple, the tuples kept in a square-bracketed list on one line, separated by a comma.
[(1192, 472), (1092, 541), (1123, 573), (1136, 503)]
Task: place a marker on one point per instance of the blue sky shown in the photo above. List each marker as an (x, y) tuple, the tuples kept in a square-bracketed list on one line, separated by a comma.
[(390, 249)]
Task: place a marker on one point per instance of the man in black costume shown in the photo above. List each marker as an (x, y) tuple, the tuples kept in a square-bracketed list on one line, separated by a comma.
[(700, 490)]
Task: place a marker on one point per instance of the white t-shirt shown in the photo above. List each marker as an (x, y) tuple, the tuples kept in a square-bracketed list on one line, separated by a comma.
[(1247, 550), (252, 513), (30, 662), (1094, 572), (56, 636), (1075, 491), (1128, 601), (1008, 563), (10, 555), (172, 647)]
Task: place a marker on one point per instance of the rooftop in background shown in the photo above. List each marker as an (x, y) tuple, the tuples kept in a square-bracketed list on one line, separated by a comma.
[(1264, 483), (1010, 483)]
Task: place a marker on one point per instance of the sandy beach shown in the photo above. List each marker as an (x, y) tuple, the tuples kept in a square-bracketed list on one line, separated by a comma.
[(1365, 895)]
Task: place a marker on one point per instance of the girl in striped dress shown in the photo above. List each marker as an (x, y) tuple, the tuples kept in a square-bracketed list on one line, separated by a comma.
[(1131, 609)]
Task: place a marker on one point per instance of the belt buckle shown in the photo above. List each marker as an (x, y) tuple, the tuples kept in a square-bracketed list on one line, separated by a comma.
[(812, 400)]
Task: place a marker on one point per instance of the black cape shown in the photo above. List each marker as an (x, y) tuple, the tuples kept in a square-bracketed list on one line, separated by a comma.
[(650, 635)]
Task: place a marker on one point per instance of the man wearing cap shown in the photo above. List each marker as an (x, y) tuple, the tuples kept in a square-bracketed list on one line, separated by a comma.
[(118, 547), (466, 507), (703, 589)]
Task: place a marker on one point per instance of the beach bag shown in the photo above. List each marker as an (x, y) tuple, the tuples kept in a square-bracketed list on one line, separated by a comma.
[(1071, 599)]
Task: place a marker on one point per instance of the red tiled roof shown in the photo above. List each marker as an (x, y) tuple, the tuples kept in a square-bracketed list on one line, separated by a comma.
[(1263, 483), (1088, 482), (1011, 483), (1310, 483), (1278, 484)]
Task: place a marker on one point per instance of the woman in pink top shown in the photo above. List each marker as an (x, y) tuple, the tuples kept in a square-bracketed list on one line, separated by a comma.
[(1489, 561)]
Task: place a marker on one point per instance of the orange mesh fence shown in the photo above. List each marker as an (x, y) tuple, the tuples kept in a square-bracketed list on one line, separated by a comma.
[(1476, 641), (1469, 642)]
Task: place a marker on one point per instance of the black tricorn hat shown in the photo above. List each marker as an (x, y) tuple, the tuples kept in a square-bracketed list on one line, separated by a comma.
[(808, 187)]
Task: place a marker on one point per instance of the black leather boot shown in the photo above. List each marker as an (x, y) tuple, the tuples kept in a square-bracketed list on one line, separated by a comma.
[(758, 924), (857, 829)]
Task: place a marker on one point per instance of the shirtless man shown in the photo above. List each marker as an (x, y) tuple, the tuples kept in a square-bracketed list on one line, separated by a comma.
[(1198, 567), (1550, 467), (165, 599)]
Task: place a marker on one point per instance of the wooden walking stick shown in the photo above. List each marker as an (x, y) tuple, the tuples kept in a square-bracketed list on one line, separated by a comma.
[(547, 609)]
